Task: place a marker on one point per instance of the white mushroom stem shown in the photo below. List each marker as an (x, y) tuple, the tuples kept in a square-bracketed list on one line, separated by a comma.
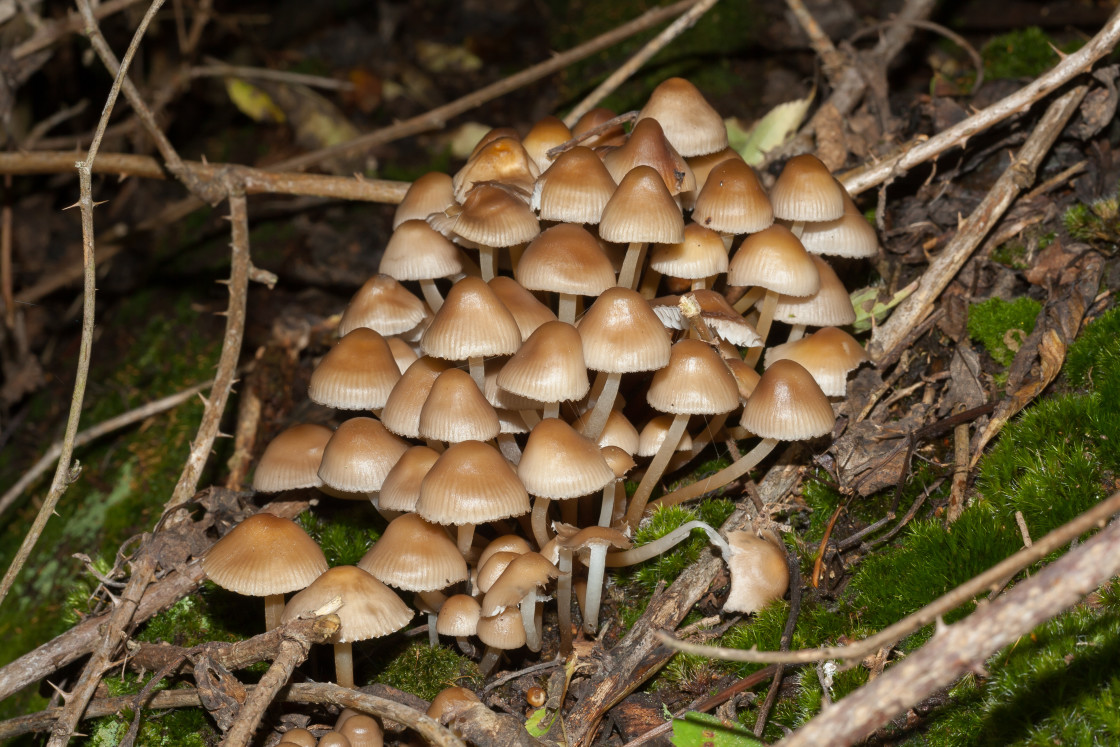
[(488, 262), (655, 470), (566, 308), (532, 620), (431, 294), (745, 464), (551, 410), (604, 403), (659, 546), (749, 299), (596, 570), (765, 317), (478, 371), (344, 664), (796, 333), (433, 600), (273, 608), (699, 441), (507, 444), (650, 282), (489, 660), (540, 521), (629, 272), (564, 599), (466, 537), (606, 508), (531, 417)]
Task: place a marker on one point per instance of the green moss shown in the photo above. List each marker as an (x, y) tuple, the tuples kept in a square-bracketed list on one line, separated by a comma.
[(1096, 223), (1012, 255), (424, 670), (346, 530), (1025, 53), (1087, 353), (1002, 326)]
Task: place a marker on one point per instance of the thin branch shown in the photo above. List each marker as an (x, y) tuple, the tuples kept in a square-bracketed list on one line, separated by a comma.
[(255, 181), (320, 693), (631, 66), (66, 473), (1018, 177), (991, 578), (959, 648), (832, 61), (219, 69), (51, 32), (1068, 68), (439, 116), (94, 432), (937, 28)]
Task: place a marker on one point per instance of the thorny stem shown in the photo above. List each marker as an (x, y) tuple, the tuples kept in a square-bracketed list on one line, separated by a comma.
[(65, 473)]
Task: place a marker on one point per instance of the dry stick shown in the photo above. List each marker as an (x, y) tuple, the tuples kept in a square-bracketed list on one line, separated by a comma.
[(1069, 67), (222, 70), (958, 648), (254, 181), (51, 32), (320, 693), (438, 117), (6, 259), (937, 28), (94, 432), (291, 654), (1018, 176), (631, 66), (65, 473), (831, 60), (991, 578)]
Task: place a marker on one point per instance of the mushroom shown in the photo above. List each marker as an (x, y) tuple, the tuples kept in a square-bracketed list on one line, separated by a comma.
[(291, 460), (416, 251), (356, 374), (759, 571), (568, 261), (369, 610), (501, 632), (265, 556), (548, 368), (641, 211), (517, 586), (596, 540)]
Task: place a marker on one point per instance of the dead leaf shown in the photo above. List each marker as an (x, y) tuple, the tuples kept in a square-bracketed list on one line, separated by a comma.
[(1049, 264), (965, 389), (221, 693)]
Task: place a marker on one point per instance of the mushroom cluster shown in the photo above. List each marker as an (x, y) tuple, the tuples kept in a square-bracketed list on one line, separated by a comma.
[(495, 364)]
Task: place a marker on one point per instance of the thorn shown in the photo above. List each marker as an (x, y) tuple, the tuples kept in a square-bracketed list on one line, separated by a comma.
[(205, 401), (219, 434), (223, 281), (221, 313), (102, 202), (76, 204), (61, 693), (1061, 55)]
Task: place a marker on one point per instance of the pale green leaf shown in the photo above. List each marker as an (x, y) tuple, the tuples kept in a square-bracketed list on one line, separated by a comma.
[(768, 133), (704, 730)]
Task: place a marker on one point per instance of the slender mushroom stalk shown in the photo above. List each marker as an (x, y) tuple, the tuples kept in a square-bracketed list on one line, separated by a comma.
[(596, 540), (726, 475), (661, 545), (604, 403), (635, 253), (655, 470), (344, 664), (431, 294), (749, 299), (532, 617), (540, 521), (765, 319), (564, 599), (566, 308), (273, 609)]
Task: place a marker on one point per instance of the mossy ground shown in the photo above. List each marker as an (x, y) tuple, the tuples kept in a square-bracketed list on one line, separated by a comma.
[(158, 347)]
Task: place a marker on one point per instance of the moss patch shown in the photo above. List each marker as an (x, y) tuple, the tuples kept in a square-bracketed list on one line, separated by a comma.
[(1002, 326), (1025, 53), (424, 670)]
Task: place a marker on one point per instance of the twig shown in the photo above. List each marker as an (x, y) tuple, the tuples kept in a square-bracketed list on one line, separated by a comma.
[(438, 117), (1067, 68), (6, 259), (320, 693), (928, 614), (818, 562), (631, 66), (254, 181), (143, 568), (1018, 176), (957, 648), (221, 70), (94, 432), (508, 676), (227, 360), (51, 32), (787, 636), (292, 651), (831, 59), (65, 473), (937, 28)]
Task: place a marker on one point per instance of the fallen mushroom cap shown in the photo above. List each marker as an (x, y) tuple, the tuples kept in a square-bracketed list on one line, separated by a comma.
[(759, 572)]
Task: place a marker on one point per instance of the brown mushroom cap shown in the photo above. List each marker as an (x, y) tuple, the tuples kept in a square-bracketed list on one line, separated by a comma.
[(298, 737), (448, 697), (415, 556), (491, 216), (806, 191), (506, 543), (690, 123), (549, 367), (493, 568), (502, 159), (574, 189), (502, 631), (788, 405), (559, 463), (359, 456), (264, 555), (618, 431), (471, 322), (696, 382), (774, 259), (621, 334), (291, 460), (401, 489), (471, 483), (829, 306), (828, 354), (384, 305), (850, 235), (362, 731), (653, 434), (565, 259), (759, 572), (455, 410), (401, 413), (648, 146), (733, 200), (356, 374), (547, 133), (369, 608), (642, 210), (416, 251), (459, 616), (701, 254), (525, 573), (527, 311), (431, 193)]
